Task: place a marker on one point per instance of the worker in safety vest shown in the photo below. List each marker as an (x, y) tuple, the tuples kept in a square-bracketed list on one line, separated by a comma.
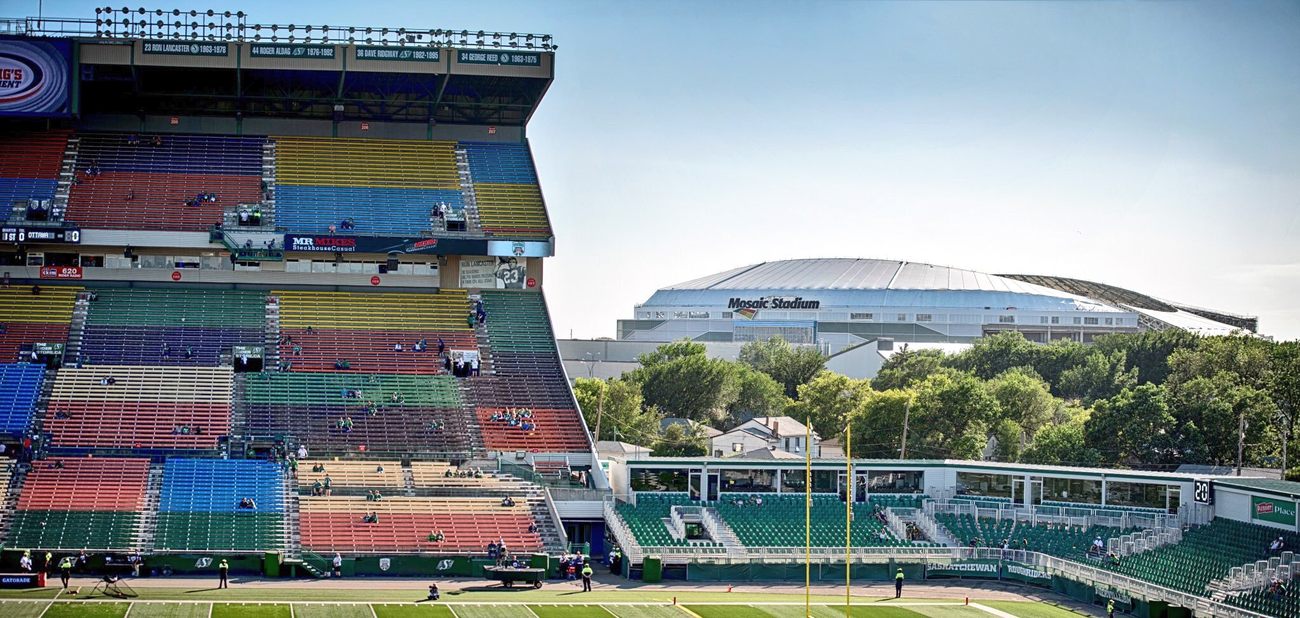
[(898, 584)]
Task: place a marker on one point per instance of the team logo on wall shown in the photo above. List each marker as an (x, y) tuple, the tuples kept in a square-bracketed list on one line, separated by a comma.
[(203, 563), (33, 78), (445, 564), (384, 563)]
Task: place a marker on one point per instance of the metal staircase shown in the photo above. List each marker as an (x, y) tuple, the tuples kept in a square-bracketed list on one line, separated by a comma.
[(76, 328), (147, 533), (11, 497), (721, 532), (472, 223)]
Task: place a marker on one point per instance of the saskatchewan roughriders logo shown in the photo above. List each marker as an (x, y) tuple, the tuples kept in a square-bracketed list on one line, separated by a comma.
[(203, 563), (444, 564), (384, 563)]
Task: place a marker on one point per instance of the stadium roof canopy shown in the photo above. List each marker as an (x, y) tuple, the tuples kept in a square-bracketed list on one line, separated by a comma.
[(870, 282)]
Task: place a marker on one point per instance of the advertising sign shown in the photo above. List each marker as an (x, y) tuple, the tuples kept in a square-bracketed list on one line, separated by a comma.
[(1027, 574), (510, 58), (35, 78), (1272, 510), (325, 243), (398, 54), (185, 48), (60, 272), (964, 568), (478, 272), (519, 248), (287, 50)]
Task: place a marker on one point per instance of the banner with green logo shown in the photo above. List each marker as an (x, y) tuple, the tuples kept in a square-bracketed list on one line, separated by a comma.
[(1272, 510)]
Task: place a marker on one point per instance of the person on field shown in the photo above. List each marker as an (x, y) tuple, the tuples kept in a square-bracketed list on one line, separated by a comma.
[(65, 570), (223, 571), (586, 577), (898, 584), (1110, 608)]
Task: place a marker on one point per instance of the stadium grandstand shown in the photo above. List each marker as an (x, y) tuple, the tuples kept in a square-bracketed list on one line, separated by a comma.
[(274, 293), (859, 311)]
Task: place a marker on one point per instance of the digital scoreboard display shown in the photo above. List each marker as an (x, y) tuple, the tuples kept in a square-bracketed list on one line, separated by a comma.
[(15, 234), (1202, 492)]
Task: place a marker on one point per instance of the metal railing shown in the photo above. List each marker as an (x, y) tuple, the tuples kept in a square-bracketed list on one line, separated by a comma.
[(226, 26)]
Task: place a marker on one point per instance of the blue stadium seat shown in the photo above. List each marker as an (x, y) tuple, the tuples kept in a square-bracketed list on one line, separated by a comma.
[(20, 387), (500, 163), (217, 485), (377, 211)]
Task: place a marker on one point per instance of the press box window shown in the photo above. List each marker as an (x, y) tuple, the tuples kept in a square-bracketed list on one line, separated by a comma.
[(1090, 321), (862, 316), (1006, 319)]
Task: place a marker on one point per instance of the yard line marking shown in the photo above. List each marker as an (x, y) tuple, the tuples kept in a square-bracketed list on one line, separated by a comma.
[(372, 611), (996, 612), (453, 611)]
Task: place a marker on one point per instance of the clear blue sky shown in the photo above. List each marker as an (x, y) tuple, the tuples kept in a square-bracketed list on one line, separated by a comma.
[(1151, 145)]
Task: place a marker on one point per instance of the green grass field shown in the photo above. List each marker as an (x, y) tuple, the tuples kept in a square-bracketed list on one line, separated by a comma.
[(322, 600)]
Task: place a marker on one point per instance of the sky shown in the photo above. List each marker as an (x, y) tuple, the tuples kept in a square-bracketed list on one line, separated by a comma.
[(1153, 146)]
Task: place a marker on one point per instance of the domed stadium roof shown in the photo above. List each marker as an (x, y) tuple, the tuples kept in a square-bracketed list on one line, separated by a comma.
[(851, 281)]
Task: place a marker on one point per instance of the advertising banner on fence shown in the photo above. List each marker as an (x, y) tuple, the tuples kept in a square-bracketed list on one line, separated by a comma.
[(325, 243), (1272, 510), (60, 272), (964, 568), (1027, 574), (35, 77)]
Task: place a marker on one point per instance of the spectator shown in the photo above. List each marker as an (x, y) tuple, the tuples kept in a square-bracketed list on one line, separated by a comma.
[(397, 347), (302, 451), (157, 140), (329, 483), (442, 346), (492, 551), (25, 563), (507, 502), (1276, 546)]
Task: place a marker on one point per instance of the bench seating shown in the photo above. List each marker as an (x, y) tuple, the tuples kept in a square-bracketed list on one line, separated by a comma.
[(330, 524)]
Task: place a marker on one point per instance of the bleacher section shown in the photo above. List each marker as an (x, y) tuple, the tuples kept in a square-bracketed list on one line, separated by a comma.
[(306, 407), (29, 167), (330, 524), (20, 387), (199, 506), (145, 186), (387, 187), (27, 318), (1204, 555), (1069, 542), (506, 190), (145, 407), (130, 326), (353, 474), (364, 328), (527, 374), (91, 503)]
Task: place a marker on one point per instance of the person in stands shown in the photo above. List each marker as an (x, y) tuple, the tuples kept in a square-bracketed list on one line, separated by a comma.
[(507, 502), (1277, 545), (397, 347), (328, 486)]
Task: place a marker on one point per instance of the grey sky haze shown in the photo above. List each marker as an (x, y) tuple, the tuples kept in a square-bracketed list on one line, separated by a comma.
[(1154, 146)]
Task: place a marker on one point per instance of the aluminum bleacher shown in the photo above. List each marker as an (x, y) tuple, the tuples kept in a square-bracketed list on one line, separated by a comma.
[(187, 327), (80, 502), (20, 387), (144, 186), (29, 167), (146, 407), (364, 328), (386, 187), (27, 318), (199, 506), (305, 408), (335, 524)]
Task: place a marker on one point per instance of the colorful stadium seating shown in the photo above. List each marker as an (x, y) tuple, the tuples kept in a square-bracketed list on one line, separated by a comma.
[(335, 523), (29, 167), (306, 407), (199, 506), (145, 408), (364, 328), (387, 187), (20, 387), (506, 191), (145, 187), (76, 503), (1205, 554), (27, 318), (130, 326)]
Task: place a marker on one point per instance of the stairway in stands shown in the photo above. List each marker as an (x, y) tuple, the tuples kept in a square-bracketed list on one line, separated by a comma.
[(59, 206), (10, 505), (147, 532), (77, 328), (271, 343), (472, 224)]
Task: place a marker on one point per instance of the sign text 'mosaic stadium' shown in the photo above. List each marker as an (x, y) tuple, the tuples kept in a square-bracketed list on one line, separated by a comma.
[(774, 302)]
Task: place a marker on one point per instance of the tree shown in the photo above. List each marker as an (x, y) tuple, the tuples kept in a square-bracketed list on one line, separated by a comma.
[(878, 423), (1024, 398), (1284, 385), (907, 367), (690, 386), (789, 365), (681, 440), (1148, 351), (669, 352), (1101, 376), (758, 395), (955, 410), (1062, 444), (1134, 428), (623, 417), (995, 354), (1009, 437), (828, 400)]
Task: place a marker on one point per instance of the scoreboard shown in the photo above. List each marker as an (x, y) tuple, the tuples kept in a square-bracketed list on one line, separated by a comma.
[(22, 234)]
